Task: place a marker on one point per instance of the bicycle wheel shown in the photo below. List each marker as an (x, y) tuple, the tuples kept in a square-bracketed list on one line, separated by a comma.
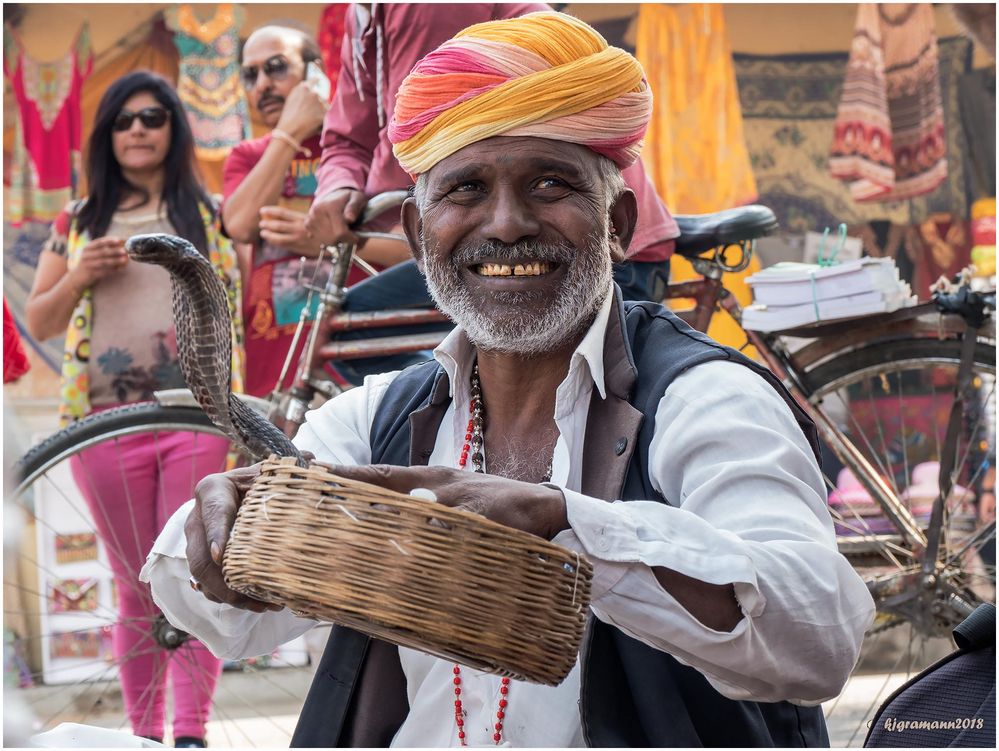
[(892, 400), (76, 618)]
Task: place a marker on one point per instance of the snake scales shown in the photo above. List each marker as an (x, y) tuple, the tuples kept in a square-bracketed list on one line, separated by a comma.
[(204, 343)]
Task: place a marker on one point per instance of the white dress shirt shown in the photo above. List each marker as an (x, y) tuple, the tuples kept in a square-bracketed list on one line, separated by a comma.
[(748, 508)]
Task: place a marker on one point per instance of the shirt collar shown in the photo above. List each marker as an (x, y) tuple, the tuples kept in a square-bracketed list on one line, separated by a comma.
[(456, 353)]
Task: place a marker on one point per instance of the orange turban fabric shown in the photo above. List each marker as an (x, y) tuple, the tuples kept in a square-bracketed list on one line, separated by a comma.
[(546, 75)]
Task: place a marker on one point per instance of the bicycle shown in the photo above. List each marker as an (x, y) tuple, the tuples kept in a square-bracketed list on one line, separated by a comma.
[(852, 381)]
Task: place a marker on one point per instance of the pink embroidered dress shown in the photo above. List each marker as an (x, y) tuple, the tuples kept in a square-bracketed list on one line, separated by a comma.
[(46, 158)]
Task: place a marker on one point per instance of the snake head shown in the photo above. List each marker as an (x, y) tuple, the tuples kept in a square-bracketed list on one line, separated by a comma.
[(161, 249)]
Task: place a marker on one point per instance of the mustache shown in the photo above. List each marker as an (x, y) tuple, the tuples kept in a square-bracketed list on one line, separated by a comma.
[(558, 251), (269, 99)]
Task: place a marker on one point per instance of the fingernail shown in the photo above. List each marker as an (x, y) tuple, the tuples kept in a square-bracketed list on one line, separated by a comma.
[(216, 552)]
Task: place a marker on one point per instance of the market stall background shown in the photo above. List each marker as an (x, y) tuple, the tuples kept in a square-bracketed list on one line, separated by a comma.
[(789, 65)]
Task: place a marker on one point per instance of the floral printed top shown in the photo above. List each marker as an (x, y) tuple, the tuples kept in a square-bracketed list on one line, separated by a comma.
[(121, 343)]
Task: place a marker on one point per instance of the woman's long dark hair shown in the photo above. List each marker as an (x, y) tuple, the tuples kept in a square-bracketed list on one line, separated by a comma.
[(107, 186)]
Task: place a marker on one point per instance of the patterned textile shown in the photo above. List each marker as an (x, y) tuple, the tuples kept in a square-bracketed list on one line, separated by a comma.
[(546, 75), (209, 83), (789, 110), (889, 136), (331, 28), (696, 129), (46, 154), (75, 388)]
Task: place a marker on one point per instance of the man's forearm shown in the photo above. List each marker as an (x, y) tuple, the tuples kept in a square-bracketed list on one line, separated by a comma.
[(261, 187)]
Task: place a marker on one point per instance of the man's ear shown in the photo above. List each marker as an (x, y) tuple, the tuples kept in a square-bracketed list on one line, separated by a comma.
[(623, 217), (412, 225)]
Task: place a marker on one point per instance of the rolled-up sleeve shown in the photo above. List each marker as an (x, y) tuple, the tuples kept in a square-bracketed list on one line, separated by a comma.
[(339, 436), (747, 508)]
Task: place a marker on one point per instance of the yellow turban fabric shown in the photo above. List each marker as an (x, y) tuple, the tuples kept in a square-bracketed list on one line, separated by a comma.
[(547, 75)]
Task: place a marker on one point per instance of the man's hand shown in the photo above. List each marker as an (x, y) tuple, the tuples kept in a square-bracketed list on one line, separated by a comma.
[(217, 498), (537, 509), (285, 228), (303, 112), (331, 216)]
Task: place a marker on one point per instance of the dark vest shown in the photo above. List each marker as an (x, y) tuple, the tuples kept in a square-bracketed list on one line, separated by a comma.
[(632, 694)]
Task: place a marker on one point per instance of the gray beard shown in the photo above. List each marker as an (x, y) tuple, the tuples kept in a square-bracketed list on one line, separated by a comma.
[(518, 332)]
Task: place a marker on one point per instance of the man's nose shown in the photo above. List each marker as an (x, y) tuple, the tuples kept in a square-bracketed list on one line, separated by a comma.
[(262, 82), (511, 218)]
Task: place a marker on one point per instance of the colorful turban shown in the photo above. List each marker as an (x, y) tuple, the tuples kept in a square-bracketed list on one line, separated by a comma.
[(546, 75)]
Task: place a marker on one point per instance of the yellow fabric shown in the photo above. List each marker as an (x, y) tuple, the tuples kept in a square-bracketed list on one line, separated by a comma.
[(694, 151)]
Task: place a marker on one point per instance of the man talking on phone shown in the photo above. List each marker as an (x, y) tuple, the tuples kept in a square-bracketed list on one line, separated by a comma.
[(268, 185)]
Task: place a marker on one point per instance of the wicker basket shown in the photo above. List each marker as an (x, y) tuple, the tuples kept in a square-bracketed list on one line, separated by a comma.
[(410, 572)]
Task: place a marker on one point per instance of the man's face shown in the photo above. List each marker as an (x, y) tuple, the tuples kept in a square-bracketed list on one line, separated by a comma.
[(272, 66), (515, 242)]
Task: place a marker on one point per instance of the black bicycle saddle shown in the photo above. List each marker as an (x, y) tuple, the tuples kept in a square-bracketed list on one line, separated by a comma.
[(701, 232)]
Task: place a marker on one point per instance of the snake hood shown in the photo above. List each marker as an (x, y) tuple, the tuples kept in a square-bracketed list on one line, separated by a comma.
[(204, 342)]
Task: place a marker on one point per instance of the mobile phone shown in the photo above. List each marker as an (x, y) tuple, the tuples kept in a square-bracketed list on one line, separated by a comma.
[(318, 80)]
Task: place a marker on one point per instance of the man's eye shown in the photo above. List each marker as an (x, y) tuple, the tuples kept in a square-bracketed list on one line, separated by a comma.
[(464, 192), (550, 182)]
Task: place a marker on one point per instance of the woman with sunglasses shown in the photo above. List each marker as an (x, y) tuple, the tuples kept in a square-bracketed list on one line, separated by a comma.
[(120, 348)]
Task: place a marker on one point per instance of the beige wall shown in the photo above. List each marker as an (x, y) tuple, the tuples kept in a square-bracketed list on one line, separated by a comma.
[(762, 29)]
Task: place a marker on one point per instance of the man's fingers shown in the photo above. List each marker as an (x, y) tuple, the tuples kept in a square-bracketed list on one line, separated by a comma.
[(281, 212), (399, 479), (281, 239), (355, 205), (218, 500)]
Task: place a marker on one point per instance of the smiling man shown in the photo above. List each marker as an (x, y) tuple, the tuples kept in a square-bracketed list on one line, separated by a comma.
[(722, 613)]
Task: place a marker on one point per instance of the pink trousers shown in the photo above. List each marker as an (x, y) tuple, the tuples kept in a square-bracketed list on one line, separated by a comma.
[(132, 485)]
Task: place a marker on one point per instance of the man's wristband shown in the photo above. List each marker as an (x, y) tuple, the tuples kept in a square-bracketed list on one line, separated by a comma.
[(290, 141)]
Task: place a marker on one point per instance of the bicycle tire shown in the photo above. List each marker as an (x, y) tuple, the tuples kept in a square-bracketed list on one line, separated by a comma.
[(124, 420), (907, 641), (61, 690)]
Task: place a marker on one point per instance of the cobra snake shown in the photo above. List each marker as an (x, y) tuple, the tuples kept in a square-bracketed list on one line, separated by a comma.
[(204, 344)]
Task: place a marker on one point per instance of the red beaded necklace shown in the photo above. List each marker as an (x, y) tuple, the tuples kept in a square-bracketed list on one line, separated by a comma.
[(473, 440), (472, 448), (459, 715)]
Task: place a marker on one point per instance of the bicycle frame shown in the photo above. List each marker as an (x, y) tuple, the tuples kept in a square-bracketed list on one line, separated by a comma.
[(289, 407), (709, 295)]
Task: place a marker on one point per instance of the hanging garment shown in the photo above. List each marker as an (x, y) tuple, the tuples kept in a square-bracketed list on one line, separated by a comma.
[(15, 359), (888, 141), (209, 84), (154, 52), (694, 150), (331, 28), (789, 116), (46, 155)]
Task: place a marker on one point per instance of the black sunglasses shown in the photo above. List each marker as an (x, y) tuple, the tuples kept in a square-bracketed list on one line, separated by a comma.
[(150, 117), (275, 68)]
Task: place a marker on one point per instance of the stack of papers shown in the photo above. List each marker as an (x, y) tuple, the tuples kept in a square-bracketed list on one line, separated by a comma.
[(788, 295)]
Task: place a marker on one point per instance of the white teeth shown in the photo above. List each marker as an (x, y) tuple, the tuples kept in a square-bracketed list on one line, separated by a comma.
[(519, 270)]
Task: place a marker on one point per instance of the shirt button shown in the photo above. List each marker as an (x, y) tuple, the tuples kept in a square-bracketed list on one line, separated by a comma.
[(620, 446), (602, 542)]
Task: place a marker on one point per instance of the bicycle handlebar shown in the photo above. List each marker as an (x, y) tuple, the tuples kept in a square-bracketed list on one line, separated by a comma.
[(379, 204)]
